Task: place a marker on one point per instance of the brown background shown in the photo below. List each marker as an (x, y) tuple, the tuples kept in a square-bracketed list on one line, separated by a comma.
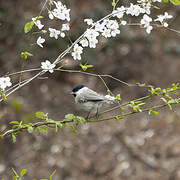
[(141, 147)]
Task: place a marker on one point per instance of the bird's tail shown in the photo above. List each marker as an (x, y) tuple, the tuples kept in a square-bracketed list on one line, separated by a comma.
[(110, 99)]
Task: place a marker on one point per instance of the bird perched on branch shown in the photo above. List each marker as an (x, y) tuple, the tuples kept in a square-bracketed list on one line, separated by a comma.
[(90, 100)]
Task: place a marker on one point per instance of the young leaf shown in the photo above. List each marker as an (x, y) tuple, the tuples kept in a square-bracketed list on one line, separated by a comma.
[(82, 120), (28, 26), (24, 55), (13, 138), (23, 172), (85, 66), (30, 129), (175, 2), (69, 117), (38, 17), (41, 115), (156, 7), (14, 122), (2, 94), (73, 128), (153, 112), (118, 97)]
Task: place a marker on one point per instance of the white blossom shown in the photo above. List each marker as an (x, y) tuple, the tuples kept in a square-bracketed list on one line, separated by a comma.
[(147, 7), (119, 12), (40, 41), (61, 12), (123, 23), (37, 23), (88, 21), (146, 20), (91, 34), (135, 10), (162, 19), (99, 27), (77, 51), (92, 43), (165, 24), (111, 28), (114, 32), (62, 34), (5, 82), (156, 0), (65, 27), (47, 66), (67, 14), (51, 16), (146, 23), (54, 33), (84, 42), (167, 16), (106, 33), (148, 29)]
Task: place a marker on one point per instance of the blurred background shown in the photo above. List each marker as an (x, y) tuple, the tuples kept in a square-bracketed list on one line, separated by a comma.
[(140, 147)]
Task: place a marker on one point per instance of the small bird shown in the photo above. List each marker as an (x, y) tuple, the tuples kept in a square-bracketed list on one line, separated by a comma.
[(90, 100)]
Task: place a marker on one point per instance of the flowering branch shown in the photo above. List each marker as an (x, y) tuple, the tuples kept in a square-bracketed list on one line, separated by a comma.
[(105, 26)]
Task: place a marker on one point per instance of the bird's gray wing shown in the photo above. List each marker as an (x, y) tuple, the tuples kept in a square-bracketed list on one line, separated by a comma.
[(92, 96)]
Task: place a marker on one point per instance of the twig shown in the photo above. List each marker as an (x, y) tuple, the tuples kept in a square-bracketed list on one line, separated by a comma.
[(38, 124)]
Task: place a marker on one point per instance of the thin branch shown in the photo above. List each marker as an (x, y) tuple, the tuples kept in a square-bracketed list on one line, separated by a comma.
[(117, 117), (24, 71)]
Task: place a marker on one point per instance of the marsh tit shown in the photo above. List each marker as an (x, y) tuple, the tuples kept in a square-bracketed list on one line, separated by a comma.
[(90, 100)]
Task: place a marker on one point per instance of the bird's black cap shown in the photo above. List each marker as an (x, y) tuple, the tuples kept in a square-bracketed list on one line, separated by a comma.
[(77, 88)]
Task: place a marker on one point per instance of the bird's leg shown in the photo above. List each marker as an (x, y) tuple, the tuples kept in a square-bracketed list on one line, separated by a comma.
[(87, 118), (97, 114)]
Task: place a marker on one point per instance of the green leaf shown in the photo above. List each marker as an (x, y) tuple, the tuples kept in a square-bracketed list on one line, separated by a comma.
[(165, 1), (59, 124), (82, 120), (41, 115), (44, 128), (140, 85), (175, 2), (15, 178), (23, 172), (151, 111), (13, 138), (156, 7), (24, 55), (38, 17), (2, 94), (113, 3), (85, 66), (119, 117), (30, 129), (14, 122), (28, 26), (73, 128), (69, 117), (52, 174), (164, 100), (118, 97)]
